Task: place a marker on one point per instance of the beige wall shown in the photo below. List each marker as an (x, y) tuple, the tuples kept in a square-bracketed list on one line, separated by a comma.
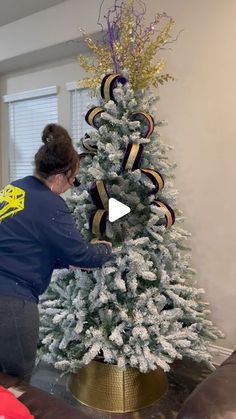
[(200, 108)]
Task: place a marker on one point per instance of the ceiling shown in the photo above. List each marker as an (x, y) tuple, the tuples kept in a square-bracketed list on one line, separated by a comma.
[(11, 10)]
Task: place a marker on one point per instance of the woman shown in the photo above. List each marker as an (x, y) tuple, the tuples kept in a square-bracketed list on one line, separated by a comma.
[(37, 235)]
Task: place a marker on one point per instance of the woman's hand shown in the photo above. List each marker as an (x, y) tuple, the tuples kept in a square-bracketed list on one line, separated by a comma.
[(102, 242), (93, 242), (74, 268)]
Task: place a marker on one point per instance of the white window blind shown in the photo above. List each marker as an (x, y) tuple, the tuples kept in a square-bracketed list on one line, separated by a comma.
[(27, 118), (81, 102)]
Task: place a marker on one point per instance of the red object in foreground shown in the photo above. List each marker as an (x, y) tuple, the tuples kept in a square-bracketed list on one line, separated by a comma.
[(11, 408)]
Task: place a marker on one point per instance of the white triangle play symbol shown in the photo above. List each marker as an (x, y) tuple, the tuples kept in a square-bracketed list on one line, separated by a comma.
[(117, 210)]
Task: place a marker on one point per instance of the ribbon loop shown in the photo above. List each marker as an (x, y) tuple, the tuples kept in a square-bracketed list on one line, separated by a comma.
[(132, 157), (109, 83), (146, 123), (97, 222), (155, 177), (99, 194), (93, 116), (169, 213)]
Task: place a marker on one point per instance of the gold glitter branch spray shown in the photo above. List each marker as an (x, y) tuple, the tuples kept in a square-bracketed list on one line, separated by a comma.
[(128, 45)]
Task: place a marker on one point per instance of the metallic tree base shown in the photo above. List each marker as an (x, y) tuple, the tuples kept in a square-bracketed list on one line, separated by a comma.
[(109, 388)]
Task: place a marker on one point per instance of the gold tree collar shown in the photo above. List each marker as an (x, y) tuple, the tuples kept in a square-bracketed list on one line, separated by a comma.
[(128, 45)]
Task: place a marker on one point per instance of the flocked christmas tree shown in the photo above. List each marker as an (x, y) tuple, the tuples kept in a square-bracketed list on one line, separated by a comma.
[(141, 309)]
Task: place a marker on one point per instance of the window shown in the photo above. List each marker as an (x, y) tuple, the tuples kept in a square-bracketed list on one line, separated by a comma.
[(81, 102), (29, 112)]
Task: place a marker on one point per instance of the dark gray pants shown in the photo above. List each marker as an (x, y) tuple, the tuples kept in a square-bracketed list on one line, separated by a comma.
[(19, 330)]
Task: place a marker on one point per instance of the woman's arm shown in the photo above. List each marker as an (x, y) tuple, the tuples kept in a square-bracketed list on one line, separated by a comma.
[(70, 247)]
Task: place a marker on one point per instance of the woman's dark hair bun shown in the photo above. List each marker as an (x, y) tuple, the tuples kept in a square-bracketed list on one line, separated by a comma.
[(55, 132), (57, 154)]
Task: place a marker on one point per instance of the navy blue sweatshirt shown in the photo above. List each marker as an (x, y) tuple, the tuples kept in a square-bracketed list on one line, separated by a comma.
[(38, 234)]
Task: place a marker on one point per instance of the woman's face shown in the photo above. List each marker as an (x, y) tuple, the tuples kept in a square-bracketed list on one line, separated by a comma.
[(62, 182)]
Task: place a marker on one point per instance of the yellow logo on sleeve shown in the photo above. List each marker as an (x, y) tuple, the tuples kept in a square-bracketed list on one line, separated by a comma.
[(12, 200)]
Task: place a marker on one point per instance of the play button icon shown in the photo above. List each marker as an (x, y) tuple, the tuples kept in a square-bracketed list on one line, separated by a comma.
[(117, 210)]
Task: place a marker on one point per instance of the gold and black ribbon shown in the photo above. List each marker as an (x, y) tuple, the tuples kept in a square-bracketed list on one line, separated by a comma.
[(156, 178), (132, 157), (99, 194), (97, 222), (93, 116), (146, 123), (82, 155), (169, 213), (109, 83), (92, 149)]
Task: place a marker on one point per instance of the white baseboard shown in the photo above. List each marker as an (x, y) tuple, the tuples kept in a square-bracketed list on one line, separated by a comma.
[(220, 354)]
